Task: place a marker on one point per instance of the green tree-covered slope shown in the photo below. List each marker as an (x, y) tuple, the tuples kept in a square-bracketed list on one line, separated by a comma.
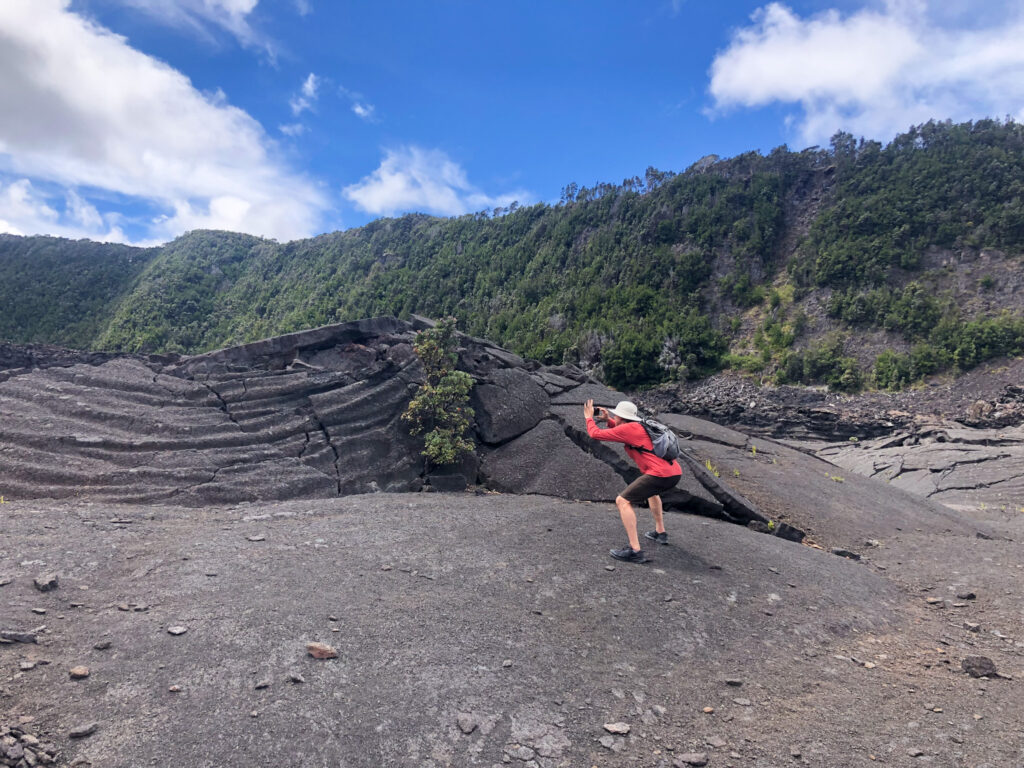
[(63, 291), (744, 262)]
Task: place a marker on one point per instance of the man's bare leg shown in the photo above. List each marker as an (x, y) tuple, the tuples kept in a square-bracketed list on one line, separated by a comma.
[(657, 512), (628, 521)]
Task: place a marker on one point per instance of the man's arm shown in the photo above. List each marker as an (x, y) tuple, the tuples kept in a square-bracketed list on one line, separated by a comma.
[(612, 434)]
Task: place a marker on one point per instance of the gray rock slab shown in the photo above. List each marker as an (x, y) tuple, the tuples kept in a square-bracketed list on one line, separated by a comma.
[(564, 630), (601, 395), (545, 461), (546, 377), (831, 504), (279, 351), (509, 403), (960, 467), (706, 430)]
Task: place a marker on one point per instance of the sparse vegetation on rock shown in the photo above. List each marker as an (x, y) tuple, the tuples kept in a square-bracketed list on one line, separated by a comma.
[(440, 408)]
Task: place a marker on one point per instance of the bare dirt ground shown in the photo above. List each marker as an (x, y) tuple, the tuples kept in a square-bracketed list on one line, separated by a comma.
[(495, 630)]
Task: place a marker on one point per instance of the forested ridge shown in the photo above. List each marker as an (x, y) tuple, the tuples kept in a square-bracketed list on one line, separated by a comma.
[(778, 264)]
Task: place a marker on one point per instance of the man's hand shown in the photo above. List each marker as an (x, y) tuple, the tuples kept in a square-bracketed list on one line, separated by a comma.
[(588, 409)]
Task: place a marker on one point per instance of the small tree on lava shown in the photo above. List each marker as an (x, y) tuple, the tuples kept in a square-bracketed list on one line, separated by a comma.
[(440, 409)]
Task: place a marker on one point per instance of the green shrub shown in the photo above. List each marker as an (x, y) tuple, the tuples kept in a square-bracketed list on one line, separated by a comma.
[(748, 363), (632, 361), (440, 407), (822, 363), (891, 371)]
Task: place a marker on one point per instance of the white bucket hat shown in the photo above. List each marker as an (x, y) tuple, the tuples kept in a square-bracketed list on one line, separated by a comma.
[(626, 410)]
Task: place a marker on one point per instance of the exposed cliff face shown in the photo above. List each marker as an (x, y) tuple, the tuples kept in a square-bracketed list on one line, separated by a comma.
[(306, 415)]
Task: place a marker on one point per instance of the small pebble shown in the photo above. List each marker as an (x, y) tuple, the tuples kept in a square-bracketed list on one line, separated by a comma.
[(321, 651), (466, 722), (79, 673), (81, 731), (177, 630), (696, 759), (46, 583)]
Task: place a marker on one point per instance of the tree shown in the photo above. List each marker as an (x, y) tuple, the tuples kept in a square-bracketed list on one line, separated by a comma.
[(632, 361), (440, 407)]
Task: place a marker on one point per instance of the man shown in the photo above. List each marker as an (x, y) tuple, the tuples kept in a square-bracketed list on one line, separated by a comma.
[(657, 475)]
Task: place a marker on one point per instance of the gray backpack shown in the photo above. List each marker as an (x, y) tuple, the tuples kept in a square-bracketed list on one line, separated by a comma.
[(664, 440)]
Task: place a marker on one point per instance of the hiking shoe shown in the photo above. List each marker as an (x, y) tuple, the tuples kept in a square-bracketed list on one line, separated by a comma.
[(661, 538), (628, 555)]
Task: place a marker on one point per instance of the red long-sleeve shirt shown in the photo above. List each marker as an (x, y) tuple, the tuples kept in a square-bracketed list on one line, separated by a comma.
[(632, 433)]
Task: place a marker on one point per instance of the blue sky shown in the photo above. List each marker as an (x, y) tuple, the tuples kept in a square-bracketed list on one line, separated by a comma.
[(137, 120)]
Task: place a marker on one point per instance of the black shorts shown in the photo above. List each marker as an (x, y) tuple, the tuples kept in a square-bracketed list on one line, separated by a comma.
[(646, 486)]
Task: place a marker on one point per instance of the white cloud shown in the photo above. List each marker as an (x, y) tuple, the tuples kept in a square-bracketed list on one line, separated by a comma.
[(364, 111), (303, 7), (427, 180), (25, 210), (230, 15), (292, 129), (360, 106), (84, 109), (877, 71), (306, 96), (82, 212), (310, 86)]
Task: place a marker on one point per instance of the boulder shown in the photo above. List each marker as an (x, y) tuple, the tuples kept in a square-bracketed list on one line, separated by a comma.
[(508, 404)]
